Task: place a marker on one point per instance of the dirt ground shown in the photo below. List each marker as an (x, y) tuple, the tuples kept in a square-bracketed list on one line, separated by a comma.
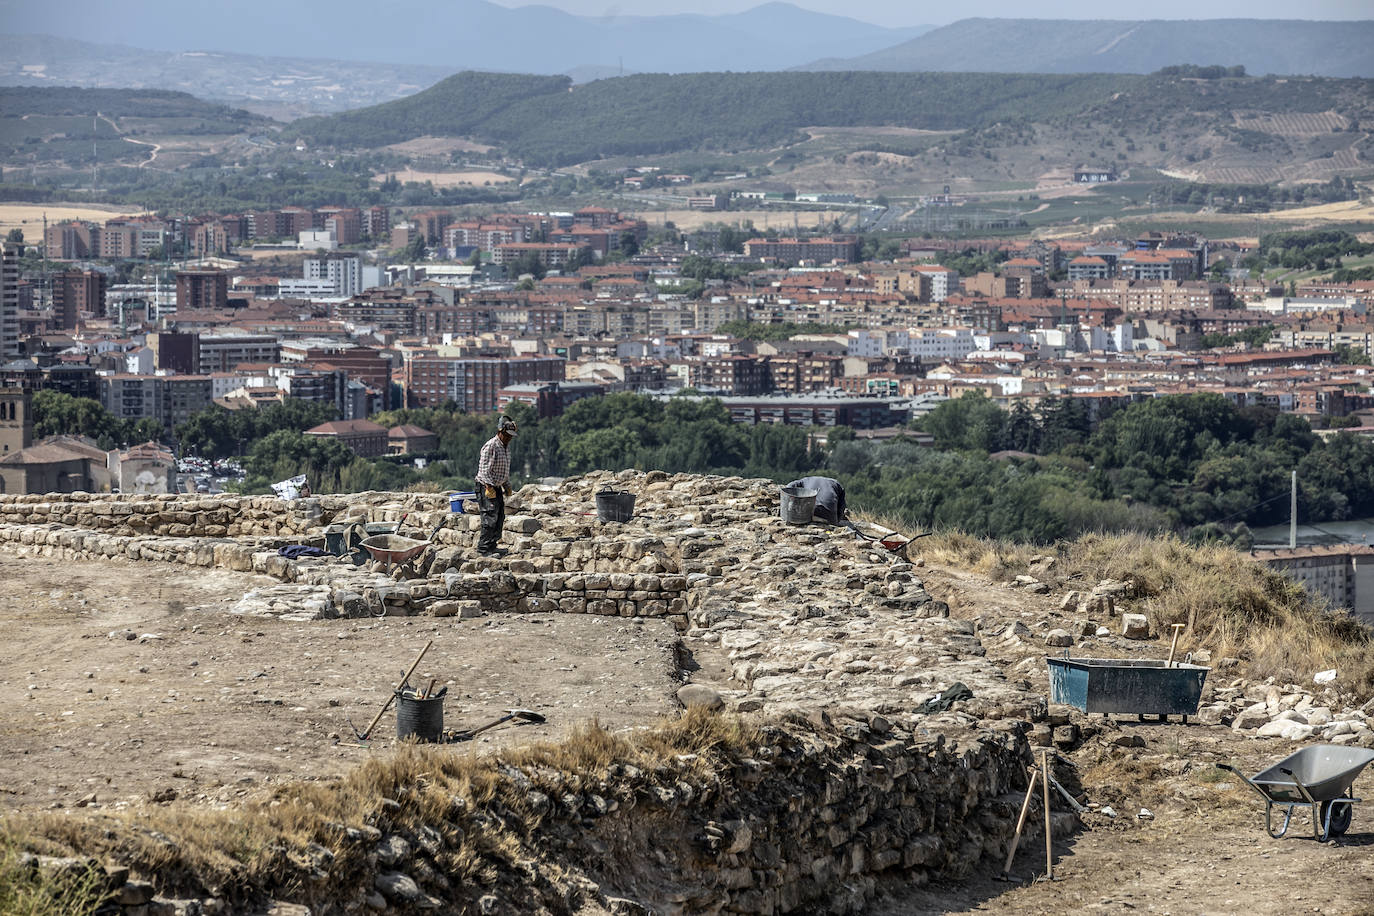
[(1204, 850), (210, 705)]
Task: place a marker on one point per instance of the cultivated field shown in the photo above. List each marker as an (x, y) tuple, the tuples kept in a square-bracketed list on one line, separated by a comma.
[(437, 146), (1300, 124), (29, 217), (781, 220), (466, 177)]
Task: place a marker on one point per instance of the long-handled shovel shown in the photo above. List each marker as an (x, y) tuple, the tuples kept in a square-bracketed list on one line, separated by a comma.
[(525, 715), (362, 736)]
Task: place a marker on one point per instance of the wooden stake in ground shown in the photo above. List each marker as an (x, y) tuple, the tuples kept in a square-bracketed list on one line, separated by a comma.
[(1173, 647), (1049, 842), (1021, 821)]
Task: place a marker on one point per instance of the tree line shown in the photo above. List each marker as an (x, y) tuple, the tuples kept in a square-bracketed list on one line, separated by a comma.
[(1194, 464)]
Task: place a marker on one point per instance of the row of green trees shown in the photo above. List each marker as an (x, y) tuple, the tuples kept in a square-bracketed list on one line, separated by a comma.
[(1185, 463), (1194, 458)]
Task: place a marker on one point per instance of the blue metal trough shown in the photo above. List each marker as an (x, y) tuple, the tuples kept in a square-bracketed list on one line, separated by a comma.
[(1127, 685)]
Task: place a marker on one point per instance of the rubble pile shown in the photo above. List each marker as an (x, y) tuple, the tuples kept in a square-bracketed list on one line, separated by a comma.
[(1288, 711)]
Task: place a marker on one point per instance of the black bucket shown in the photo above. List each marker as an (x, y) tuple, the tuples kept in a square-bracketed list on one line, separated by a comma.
[(422, 718), (615, 505)]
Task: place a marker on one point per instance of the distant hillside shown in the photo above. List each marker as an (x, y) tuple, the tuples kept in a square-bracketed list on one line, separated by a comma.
[(1108, 46), (75, 127), (464, 34), (20, 101), (281, 87), (547, 121)]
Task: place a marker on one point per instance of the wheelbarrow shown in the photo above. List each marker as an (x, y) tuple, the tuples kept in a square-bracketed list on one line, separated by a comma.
[(1320, 776), (393, 549)]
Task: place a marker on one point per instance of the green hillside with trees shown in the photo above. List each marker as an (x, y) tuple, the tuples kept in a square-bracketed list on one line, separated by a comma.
[(547, 121)]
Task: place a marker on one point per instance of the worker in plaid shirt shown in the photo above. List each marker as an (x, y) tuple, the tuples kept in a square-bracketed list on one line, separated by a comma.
[(493, 485)]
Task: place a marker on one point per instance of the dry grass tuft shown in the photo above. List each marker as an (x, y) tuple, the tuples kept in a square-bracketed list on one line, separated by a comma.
[(26, 890), (480, 805), (1230, 604)]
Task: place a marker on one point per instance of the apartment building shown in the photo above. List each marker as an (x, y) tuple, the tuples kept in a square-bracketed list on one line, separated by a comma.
[(736, 374), (9, 299), (1156, 295), (793, 250), (77, 293), (222, 352), (550, 255), (856, 413), (183, 396), (474, 384), (70, 241), (202, 290), (132, 397), (344, 273)]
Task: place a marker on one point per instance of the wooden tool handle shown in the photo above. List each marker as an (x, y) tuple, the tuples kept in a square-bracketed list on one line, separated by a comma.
[(387, 705), (1173, 647)]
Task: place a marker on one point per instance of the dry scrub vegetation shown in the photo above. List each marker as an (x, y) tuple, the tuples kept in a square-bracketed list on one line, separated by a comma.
[(1232, 605), (297, 841)]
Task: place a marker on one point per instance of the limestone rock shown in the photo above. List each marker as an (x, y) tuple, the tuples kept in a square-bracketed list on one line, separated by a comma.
[(1058, 638), (398, 887), (1135, 626), (690, 695)]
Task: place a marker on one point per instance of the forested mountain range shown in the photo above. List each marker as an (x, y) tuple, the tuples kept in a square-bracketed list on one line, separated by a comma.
[(1262, 46), (548, 121), (463, 34)]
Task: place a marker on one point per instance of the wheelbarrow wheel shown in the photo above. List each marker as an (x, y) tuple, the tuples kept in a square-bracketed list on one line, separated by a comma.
[(1339, 813)]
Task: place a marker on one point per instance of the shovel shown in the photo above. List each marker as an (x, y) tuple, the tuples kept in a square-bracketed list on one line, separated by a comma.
[(405, 679), (525, 715)]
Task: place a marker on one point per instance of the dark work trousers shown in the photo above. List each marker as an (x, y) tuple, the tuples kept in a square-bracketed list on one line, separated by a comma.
[(493, 517)]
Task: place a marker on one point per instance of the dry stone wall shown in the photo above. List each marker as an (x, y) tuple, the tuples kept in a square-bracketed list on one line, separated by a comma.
[(820, 815)]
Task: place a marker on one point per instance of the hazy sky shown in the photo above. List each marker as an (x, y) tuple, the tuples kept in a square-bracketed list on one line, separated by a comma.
[(906, 12)]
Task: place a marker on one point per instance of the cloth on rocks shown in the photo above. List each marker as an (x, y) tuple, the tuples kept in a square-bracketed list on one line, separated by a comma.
[(946, 698), (830, 505), (296, 551)]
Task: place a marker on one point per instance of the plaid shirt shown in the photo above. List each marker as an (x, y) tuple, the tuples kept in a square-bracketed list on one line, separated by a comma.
[(493, 467)]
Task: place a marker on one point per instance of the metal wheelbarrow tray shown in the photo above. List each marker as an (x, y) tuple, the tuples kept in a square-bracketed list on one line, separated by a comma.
[(1320, 776), (1143, 686), (393, 548)]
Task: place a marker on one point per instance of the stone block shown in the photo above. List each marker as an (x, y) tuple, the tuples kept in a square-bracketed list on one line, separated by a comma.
[(1135, 626), (523, 524)]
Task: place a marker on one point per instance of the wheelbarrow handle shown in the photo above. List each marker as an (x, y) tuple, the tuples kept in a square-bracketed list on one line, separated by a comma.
[(1246, 779), (1298, 782)]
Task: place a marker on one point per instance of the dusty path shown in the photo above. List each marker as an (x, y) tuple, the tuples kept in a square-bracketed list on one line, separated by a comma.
[(217, 704), (115, 127)]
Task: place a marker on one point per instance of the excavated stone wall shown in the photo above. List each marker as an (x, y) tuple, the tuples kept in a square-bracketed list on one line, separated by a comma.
[(821, 816)]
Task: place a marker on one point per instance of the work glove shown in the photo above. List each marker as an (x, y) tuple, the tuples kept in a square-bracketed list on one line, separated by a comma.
[(507, 490), (490, 492)]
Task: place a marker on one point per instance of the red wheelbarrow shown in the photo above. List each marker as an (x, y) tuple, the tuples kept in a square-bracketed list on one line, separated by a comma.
[(392, 549)]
